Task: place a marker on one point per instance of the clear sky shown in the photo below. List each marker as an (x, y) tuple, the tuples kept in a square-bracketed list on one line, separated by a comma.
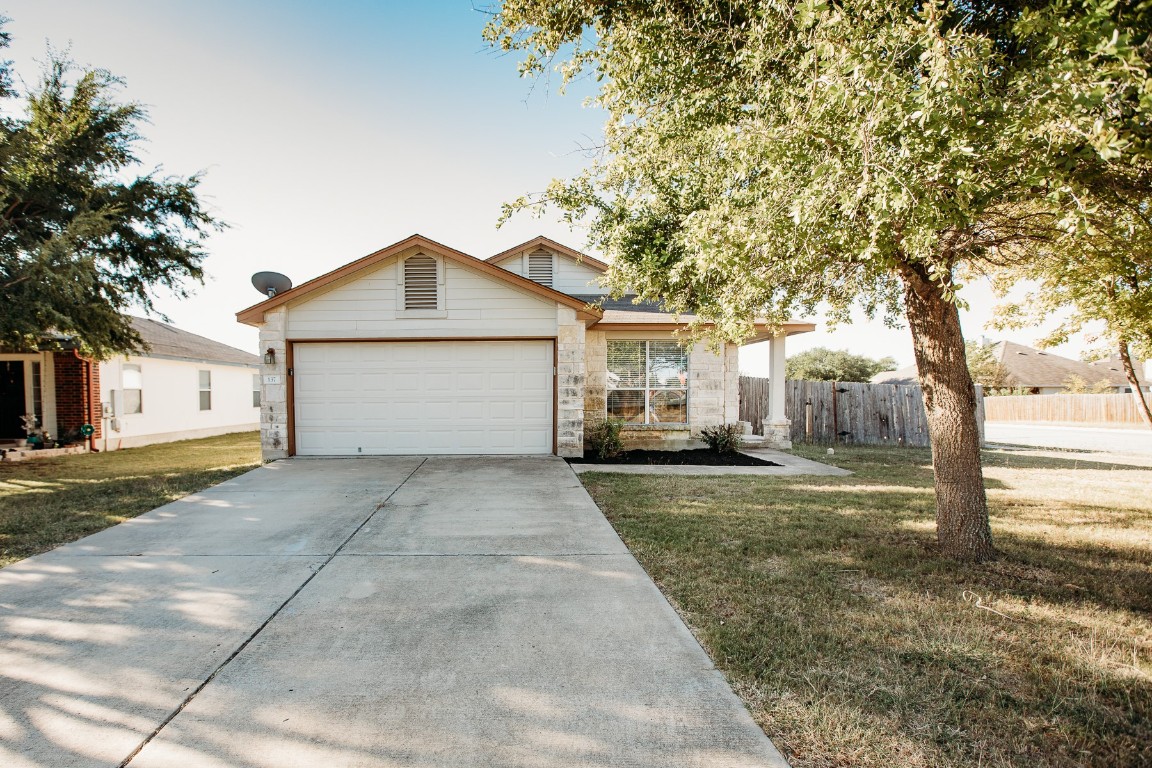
[(327, 130)]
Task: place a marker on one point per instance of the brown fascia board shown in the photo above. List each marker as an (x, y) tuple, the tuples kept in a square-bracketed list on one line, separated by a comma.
[(254, 315), (552, 244)]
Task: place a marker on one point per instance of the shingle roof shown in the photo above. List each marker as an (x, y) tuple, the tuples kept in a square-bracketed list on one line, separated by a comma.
[(623, 304), (163, 340), (1027, 367)]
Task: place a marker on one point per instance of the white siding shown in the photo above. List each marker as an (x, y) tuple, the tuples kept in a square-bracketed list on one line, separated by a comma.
[(569, 276), (474, 305), (171, 401)]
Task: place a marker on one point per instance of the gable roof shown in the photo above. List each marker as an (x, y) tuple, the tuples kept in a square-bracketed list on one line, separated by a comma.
[(544, 242), (254, 315), (1028, 367), (165, 341)]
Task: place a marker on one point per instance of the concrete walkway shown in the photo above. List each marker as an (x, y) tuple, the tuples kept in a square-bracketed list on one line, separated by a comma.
[(360, 612)]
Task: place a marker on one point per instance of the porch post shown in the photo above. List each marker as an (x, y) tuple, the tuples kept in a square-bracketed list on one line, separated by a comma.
[(776, 428)]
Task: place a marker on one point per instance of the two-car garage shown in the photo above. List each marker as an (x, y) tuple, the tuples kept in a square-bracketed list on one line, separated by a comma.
[(423, 396)]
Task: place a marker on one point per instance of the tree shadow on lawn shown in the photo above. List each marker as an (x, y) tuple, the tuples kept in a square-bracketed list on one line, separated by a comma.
[(855, 643), (37, 515)]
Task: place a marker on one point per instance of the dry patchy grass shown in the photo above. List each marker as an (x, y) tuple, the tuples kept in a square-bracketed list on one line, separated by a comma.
[(854, 644), (48, 502)]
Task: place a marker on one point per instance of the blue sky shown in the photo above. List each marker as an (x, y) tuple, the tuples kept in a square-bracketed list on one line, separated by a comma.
[(328, 130)]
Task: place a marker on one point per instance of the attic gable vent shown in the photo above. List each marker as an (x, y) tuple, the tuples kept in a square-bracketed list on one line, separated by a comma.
[(540, 268), (420, 282)]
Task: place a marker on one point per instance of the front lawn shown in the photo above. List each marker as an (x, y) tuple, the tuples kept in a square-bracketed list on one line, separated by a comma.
[(854, 644), (48, 502)]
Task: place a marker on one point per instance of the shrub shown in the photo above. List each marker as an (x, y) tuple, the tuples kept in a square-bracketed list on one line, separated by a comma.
[(604, 438), (723, 438)]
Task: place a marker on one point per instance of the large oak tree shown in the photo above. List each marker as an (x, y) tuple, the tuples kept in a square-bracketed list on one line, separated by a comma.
[(85, 237), (763, 157)]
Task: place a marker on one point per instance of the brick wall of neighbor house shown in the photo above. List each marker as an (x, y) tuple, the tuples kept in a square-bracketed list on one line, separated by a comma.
[(77, 392), (274, 397), (570, 382)]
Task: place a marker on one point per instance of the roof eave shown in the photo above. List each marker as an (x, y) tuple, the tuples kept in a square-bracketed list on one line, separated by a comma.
[(254, 315)]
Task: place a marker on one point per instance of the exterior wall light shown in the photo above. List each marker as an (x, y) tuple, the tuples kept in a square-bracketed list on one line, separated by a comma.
[(270, 357)]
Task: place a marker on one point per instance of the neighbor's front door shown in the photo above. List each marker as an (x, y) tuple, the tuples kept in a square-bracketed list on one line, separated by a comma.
[(12, 394)]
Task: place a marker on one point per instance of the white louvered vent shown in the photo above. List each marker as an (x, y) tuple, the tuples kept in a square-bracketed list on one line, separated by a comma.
[(420, 282), (540, 268)]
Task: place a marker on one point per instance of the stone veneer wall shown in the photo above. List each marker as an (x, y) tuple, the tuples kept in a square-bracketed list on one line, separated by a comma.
[(274, 397), (571, 379)]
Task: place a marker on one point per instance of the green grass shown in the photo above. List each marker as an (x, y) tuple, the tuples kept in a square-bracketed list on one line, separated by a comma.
[(48, 502), (854, 644)]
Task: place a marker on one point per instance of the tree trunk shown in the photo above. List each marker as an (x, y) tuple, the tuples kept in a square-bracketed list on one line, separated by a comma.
[(1130, 373), (962, 526)]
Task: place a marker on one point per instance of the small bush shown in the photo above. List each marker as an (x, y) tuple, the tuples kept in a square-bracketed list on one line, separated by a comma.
[(723, 438), (604, 438)]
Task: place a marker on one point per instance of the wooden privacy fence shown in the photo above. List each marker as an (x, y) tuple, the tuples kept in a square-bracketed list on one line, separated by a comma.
[(1074, 409), (846, 412)]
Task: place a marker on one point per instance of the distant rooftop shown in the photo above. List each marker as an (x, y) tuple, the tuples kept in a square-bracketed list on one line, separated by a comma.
[(164, 340)]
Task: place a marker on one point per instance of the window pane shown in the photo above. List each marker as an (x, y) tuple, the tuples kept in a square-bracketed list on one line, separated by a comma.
[(667, 365), (133, 402), (206, 400), (625, 364), (205, 379), (130, 377), (668, 406), (627, 405), (255, 390)]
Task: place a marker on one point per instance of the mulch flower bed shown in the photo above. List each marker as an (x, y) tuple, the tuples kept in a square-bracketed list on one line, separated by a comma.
[(696, 457)]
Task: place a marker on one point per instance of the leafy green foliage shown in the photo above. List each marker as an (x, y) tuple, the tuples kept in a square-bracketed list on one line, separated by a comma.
[(82, 239), (604, 438), (723, 438), (822, 364), (985, 369), (762, 158)]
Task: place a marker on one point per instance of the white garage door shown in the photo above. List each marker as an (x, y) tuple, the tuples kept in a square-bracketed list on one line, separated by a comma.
[(377, 398)]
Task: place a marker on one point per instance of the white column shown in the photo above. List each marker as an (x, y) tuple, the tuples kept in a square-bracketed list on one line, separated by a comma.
[(777, 428), (776, 379)]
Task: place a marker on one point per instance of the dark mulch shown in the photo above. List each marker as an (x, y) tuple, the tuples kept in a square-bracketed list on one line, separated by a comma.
[(697, 457)]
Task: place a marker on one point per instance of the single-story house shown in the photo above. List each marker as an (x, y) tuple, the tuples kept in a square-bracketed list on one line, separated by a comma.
[(421, 348), (1039, 372), (183, 386)]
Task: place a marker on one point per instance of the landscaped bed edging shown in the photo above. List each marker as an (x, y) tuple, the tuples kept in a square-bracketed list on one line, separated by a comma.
[(22, 454)]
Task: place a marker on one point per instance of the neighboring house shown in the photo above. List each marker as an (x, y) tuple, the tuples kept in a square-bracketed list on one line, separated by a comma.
[(183, 386), (420, 348), (1041, 373)]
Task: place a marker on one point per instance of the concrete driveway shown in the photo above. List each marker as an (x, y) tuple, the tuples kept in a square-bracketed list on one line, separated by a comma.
[(392, 612)]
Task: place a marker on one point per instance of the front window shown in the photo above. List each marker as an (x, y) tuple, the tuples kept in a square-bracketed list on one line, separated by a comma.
[(255, 390), (648, 382)]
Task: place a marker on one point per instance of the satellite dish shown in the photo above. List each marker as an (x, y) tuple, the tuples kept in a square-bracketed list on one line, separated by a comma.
[(271, 283)]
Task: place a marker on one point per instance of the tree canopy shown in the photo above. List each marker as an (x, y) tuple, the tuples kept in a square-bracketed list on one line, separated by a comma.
[(83, 238), (823, 364), (761, 158)]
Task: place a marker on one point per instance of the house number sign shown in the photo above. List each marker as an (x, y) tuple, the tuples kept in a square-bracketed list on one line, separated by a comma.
[(272, 379)]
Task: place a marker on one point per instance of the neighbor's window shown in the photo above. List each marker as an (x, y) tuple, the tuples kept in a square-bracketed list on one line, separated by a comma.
[(255, 390), (648, 382), (205, 390), (420, 282), (132, 384)]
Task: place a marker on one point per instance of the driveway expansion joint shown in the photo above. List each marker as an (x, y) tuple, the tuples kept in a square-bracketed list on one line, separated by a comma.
[(248, 641)]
